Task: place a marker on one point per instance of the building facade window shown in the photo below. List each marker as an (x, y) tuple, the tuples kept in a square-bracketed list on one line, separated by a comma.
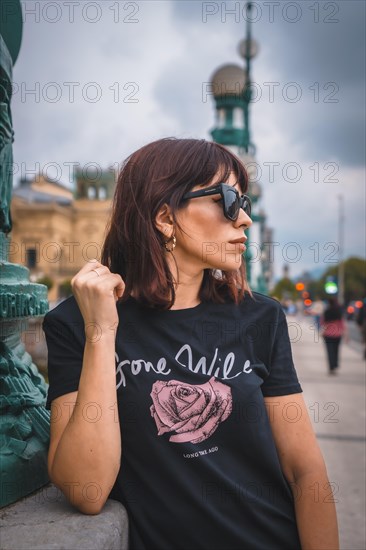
[(102, 195), (238, 119), (220, 114), (92, 193), (31, 258)]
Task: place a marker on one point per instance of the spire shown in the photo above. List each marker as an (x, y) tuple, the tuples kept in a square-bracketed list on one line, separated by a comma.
[(248, 48), (231, 89)]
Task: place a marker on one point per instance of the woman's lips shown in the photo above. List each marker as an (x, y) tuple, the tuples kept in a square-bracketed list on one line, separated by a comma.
[(240, 245)]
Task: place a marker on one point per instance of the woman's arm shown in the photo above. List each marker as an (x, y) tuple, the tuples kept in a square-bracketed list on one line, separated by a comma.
[(85, 447), (85, 443), (304, 468)]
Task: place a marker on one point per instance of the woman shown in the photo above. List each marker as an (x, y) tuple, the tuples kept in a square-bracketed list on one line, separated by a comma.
[(317, 310), (178, 380), (333, 328)]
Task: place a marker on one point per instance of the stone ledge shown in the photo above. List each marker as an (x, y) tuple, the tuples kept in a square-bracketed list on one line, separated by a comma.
[(45, 520)]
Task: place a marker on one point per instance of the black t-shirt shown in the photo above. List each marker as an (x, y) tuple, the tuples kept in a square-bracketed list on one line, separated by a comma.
[(199, 465)]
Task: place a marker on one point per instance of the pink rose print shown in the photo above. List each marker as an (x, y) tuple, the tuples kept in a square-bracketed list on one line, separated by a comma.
[(192, 411)]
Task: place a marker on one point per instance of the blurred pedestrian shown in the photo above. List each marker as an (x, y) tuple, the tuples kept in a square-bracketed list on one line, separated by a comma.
[(333, 328), (361, 321), (317, 310)]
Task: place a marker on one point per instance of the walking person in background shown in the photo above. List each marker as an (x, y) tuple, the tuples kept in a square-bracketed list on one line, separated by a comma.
[(317, 310), (333, 328)]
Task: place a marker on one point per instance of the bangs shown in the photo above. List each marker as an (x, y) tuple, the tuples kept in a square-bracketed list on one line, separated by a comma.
[(220, 164)]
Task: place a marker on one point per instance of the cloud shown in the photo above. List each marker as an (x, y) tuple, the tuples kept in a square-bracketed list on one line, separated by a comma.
[(161, 53), (310, 69), (93, 96)]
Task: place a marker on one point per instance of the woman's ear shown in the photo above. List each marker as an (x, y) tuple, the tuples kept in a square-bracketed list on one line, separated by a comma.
[(164, 221)]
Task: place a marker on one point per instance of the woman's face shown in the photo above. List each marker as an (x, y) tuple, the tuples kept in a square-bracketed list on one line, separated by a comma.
[(206, 238)]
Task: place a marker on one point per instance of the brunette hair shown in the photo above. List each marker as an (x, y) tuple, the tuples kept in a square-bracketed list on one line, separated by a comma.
[(158, 173)]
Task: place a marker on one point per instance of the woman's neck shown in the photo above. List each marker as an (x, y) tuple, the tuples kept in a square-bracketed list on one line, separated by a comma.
[(187, 289)]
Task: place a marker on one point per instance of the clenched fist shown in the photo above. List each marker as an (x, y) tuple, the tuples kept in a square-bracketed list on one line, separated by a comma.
[(96, 291)]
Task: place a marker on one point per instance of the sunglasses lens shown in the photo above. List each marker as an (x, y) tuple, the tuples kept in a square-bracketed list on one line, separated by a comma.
[(232, 204), (247, 207)]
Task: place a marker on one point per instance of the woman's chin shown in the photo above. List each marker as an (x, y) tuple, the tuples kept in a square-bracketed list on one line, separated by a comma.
[(227, 266)]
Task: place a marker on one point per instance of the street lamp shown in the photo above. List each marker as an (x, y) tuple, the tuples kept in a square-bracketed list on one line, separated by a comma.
[(341, 250), (248, 48), (232, 93)]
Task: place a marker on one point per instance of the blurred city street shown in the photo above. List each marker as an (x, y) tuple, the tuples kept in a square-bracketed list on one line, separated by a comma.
[(336, 405)]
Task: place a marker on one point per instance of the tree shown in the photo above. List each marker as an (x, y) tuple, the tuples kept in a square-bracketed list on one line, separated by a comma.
[(45, 280), (316, 289), (285, 288), (65, 289), (354, 278)]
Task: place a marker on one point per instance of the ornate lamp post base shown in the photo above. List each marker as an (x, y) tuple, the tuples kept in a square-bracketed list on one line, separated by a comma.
[(24, 421)]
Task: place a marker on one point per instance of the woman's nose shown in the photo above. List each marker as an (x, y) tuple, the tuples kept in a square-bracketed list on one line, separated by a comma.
[(243, 219)]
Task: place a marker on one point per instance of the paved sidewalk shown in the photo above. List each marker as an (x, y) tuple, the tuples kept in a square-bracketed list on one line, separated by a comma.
[(336, 405)]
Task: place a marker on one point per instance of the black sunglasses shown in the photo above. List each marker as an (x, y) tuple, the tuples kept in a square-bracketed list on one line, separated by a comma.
[(232, 202)]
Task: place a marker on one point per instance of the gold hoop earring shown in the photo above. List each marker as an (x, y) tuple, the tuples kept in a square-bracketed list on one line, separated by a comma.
[(173, 244)]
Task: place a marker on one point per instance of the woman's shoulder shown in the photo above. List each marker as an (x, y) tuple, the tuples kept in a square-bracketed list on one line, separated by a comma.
[(253, 307), (257, 300), (67, 311)]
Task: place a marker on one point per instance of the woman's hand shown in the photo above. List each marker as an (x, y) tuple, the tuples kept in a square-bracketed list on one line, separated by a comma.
[(96, 291)]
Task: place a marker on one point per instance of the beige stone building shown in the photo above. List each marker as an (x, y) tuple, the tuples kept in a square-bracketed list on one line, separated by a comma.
[(55, 230)]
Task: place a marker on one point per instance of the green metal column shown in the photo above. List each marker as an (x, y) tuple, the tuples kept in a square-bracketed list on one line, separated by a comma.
[(24, 421)]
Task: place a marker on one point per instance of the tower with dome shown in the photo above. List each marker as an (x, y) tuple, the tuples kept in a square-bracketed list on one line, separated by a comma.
[(231, 90)]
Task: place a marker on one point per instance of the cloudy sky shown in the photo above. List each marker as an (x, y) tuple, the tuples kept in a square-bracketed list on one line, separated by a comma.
[(96, 80)]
